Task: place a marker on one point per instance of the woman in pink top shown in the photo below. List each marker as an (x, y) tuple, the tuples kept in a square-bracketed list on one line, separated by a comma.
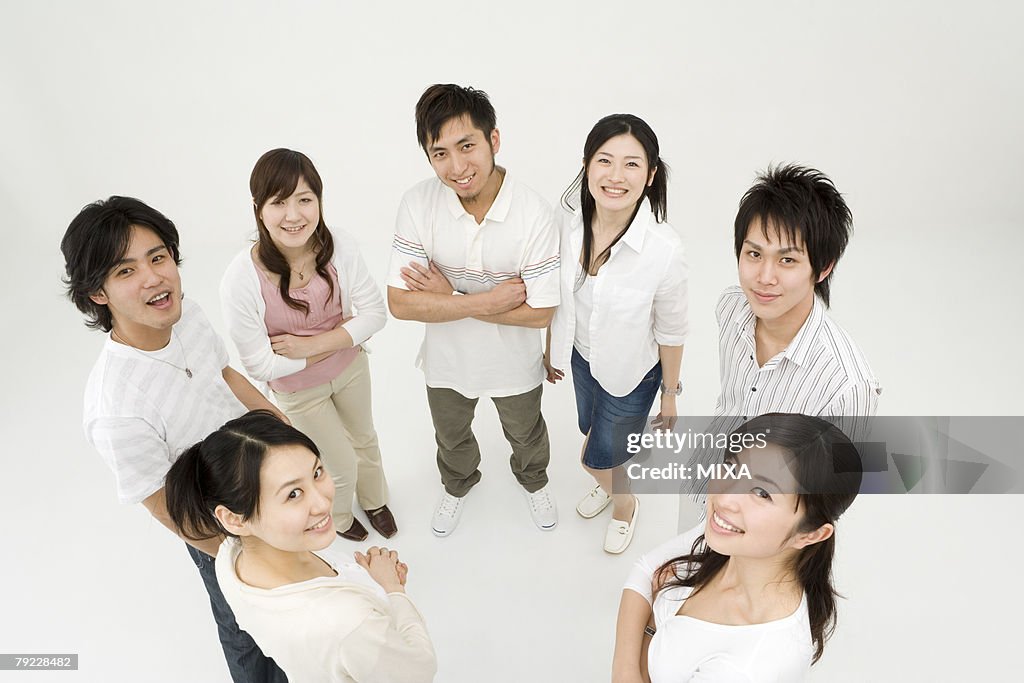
[(299, 304)]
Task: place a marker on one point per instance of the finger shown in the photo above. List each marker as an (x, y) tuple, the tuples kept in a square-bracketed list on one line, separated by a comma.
[(434, 268), (418, 268)]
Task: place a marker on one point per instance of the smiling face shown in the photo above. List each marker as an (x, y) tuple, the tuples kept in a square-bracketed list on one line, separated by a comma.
[(463, 157), (291, 221), (295, 501), (143, 291), (756, 517), (618, 173), (776, 276)]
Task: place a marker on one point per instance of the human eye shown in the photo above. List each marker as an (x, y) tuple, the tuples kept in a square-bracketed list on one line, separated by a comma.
[(124, 271), (633, 164), (438, 155), (294, 493), (761, 493), (788, 260), (305, 200), (753, 254), (318, 472)]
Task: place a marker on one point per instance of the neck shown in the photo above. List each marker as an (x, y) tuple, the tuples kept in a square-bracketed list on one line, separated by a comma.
[(297, 256), (263, 565), (757, 578), (610, 223), (481, 203), (782, 330), (140, 337)]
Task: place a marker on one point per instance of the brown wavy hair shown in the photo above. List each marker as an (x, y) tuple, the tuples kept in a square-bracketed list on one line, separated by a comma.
[(277, 174)]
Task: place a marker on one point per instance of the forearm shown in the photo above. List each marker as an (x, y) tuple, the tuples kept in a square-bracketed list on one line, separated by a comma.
[(430, 307), (671, 363), (521, 316), (326, 343), (248, 395), (634, 612), (157, 506)]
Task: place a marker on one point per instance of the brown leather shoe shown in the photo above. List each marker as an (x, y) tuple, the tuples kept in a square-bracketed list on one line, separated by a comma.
[(383, 521), (356, 532)]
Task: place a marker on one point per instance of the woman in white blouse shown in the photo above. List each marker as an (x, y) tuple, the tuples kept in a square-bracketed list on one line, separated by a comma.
[(259, 483), (300, 303), (746, 596), (622, 321)]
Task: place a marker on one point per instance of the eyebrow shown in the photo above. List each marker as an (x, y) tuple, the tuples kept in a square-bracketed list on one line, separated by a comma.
[(608, 154), (767, 481), (293, 482), (152, 251), (784, 250), (461, 141)]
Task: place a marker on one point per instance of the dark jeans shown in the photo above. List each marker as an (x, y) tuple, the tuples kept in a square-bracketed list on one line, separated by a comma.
[(246, 662), (609, 420)]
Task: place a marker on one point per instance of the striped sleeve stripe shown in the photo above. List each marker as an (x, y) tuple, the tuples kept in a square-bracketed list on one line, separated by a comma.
[(404, 246), (542, 268)]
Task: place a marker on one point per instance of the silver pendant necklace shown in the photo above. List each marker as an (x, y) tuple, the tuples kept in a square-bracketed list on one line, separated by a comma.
[(186, 370)]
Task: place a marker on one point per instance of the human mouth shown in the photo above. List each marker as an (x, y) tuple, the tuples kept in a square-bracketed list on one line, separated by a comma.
[(464, 182), (161, 301), (321, 525), (764, 297), (722, 525), (294, 230), (614, 192)]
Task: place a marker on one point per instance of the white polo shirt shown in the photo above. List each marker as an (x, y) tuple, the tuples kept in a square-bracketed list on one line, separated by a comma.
[(639, 301), (517, 238)]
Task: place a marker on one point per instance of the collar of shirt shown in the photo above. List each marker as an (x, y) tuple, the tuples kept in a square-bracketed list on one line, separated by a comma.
[(803, 343), (634, 236), (499, 207)]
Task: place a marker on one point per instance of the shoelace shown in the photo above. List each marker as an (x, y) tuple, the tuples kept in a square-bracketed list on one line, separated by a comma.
[(450, 505), (540, 501)]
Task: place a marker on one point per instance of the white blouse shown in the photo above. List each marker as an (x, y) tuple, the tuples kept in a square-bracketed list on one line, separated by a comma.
[(685, 649), (639, 301)]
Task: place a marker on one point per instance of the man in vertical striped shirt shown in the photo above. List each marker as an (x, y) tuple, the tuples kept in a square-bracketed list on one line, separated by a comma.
[(779, 350)]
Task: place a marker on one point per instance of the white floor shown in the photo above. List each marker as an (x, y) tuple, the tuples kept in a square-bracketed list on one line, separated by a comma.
[(913, 109)]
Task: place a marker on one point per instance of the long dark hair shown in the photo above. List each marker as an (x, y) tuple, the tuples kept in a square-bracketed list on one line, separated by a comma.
[(277, 174), (604, 130), (827, 468), (224, 469)]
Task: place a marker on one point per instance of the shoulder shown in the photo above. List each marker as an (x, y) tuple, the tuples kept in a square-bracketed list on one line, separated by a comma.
[(427, 192), (846, 351), (346, 246), (241, 269), (530, 202), (731, 302)]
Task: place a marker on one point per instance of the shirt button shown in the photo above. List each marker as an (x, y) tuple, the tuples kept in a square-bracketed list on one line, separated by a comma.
[(753, 388), (751, 358)]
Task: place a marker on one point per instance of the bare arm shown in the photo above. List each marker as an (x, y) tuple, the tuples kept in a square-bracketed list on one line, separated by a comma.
[(430, 297), (671, 360), (247, 394), (522, 316), (629, 663), (157, 506), (313, 348)]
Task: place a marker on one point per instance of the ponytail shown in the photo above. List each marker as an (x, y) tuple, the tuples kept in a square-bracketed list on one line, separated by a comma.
[(186, 505)]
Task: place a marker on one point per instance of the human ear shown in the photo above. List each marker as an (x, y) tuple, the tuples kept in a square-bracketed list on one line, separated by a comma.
[(650, 180), (822, 533), (825, 273), (231, 521), (99, 298), (495, 141)]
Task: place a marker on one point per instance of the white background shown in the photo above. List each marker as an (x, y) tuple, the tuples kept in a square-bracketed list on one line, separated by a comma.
[(913, 108)]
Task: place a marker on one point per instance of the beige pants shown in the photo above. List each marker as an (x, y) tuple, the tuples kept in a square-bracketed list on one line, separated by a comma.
[(338, 417)]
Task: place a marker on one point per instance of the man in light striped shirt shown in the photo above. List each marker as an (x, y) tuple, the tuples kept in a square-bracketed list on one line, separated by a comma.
[(779, 350), (162, 381)]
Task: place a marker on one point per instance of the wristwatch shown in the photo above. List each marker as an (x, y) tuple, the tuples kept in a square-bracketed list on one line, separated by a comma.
[(672, 392)]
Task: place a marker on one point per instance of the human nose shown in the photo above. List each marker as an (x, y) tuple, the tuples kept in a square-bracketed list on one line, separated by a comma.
[(766, 273), (292, 211), (151, 277)]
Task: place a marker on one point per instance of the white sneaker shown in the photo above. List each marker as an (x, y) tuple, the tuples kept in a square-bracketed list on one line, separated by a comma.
[(542, 509), (446, 516), (619, 533), (593, 503)]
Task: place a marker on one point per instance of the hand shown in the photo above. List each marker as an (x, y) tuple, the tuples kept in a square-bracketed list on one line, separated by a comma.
[(420, 279), (666, 419), (553, 374), (383, 567), (292, 346), (507, 295)]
